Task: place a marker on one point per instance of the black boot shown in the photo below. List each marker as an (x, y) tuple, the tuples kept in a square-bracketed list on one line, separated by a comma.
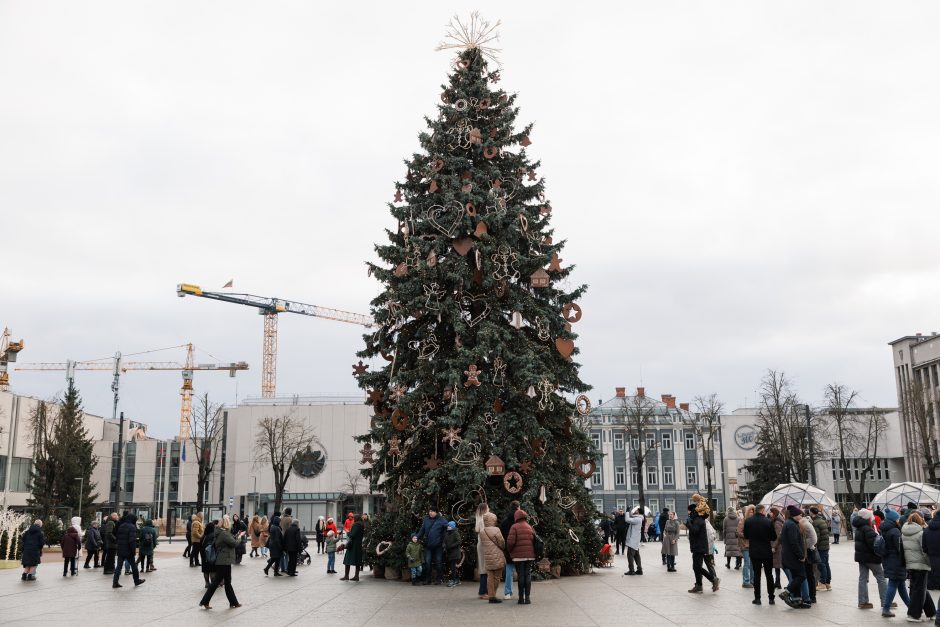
[(346, 576), (356, 578)]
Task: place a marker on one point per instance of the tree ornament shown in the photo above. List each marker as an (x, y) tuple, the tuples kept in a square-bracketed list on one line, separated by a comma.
[(481, 229), (437, 165), (499, 372), (375, 396), (472, 376), (367, 452), (432, 186), (491, 421), (398, 197), (506, 264), (565, 346), (542, 329), (542, 496), (564, 502), (468, 453), (431, 463), (434, 294), (400, 420), (360, 368), (571, 312), (491, 152), (451, 435), (401, 270), (432, 259), (512, 482), (525, 467), (538, 446), (427, 348), (382, 547), (583, 404), (474, 308), (394, 446), (446, 218), (462, 245), (573, 535), (546, 388), (531, 175), (397, 391), (555, 264), (539, 278), (544, 565), (525, 141), (495, 466), (531, 391), (516, 320), (474, 34), (585, 467)]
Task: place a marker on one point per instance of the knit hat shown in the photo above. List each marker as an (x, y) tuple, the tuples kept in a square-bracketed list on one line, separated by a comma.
[(892, 515), (814, 511), (865, 514), (911, 505), (793, 511), (452, 525)]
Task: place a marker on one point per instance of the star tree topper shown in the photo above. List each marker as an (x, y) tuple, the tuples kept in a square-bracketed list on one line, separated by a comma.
[(475, 33)]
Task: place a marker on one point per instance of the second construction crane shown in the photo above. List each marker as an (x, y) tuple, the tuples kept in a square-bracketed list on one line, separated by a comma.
[(270, 307)]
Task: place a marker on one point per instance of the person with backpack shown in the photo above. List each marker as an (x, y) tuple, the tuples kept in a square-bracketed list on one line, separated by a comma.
[(892, 560), (148, 542), (521, 545), (867, 558), (224, 545)]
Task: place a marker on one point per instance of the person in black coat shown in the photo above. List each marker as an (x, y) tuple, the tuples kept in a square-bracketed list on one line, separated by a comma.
[(931, 545), (32, 543), (606, 528), (109, 537), (126, 547), (208, 539), (793, 558), (275, 547), (620, 531), (92, 544), (759, 532), (893, 563), (293, 545), (698, 545), (868, 561)]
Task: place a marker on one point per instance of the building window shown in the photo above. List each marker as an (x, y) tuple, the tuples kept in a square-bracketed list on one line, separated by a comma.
[(652, 476), (650, 441), (635, 442), (668, 478), (620, 475), (596, 478), (670, 504), (599, 504), (634, 477), (19, 477), (667, 440), (654, 505), (618, 441), (689, 440), (596, 439), (887, 474), (691, 476), (621, 503)]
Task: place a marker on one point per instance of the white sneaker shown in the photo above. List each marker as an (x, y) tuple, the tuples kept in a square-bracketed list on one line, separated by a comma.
[(507, 597), (911, 619)]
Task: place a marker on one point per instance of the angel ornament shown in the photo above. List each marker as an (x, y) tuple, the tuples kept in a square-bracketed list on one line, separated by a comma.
[(506, 263), (499, 372), (434, 294), (546, 388)]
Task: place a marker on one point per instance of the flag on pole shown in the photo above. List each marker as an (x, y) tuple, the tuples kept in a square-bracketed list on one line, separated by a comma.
[(230, 283), (183, 454)]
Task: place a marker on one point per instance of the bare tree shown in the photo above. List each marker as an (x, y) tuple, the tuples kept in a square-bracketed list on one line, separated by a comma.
[(278, 441), (706, 424), (639, 415), (205, 429), (782, 426), (856, 432), (918, 412)]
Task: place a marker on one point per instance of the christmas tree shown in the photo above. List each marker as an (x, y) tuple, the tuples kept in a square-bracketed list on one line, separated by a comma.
[(474, 333)]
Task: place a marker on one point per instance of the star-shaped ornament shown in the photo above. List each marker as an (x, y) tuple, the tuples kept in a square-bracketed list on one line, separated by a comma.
[(375, 396), (451, 435), (359, 368), (430, 463), (398, 391), (525, 467)]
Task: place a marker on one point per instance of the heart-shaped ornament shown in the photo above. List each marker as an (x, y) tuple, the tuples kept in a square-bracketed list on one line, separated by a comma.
[(462, 245), (564, 346), (481, 229), (474, 309), (446, 219)]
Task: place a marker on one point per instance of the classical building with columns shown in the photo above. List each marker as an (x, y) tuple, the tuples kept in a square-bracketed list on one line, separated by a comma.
[(917, 370), (674, 470)]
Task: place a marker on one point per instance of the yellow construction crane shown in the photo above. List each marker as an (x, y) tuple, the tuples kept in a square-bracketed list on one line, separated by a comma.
[(270, 308), (117, 365), (8, 351)]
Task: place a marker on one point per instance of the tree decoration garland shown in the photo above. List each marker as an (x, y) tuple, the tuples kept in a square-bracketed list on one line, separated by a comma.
[(382, 547)]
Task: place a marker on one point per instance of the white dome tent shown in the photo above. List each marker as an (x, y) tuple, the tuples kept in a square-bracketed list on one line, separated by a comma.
[(799, 494), (898, 495)]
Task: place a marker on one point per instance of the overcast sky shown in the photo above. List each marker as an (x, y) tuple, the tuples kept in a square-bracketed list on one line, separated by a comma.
[(744, 185)]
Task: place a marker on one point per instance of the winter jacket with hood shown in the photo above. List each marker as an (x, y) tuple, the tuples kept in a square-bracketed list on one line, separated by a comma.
[(292, 540), (92, 539), (71, 541), (931, 543), (822, 532), (354, 555), (520, 542), (912, 536), (452, 542), (635, 522), (413, 553), (197, 530), (698, 534), (32, 545), (147, 531), (864, 542), (225, 544), (893, 561), (730, 529), (109, 533), (127, 537), (275, 541), (494, 545)]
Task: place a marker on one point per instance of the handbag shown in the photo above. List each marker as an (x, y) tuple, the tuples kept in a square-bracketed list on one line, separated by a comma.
[(812, 556)]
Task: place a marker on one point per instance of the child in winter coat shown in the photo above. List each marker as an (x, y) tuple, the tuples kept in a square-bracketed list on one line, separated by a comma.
[(414, 552), (330, 552), (452, 542)]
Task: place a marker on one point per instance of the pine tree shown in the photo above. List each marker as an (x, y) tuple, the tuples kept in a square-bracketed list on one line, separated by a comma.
[(62, 453), (474, 325), (767, 469)]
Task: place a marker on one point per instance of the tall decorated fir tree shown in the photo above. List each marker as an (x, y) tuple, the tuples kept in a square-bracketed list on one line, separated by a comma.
[(474, 333)]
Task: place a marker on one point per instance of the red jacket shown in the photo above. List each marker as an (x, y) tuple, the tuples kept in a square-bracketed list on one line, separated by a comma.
[(330, 526), (348, 523), (521, 537), (71, 542)]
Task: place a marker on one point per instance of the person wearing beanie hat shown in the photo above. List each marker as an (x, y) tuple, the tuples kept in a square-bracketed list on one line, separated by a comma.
[(793, 558), (452, 541), (892, 561), (868, 561)]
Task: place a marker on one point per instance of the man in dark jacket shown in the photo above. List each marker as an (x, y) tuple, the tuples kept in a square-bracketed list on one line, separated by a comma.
[(793, 558), (893, 563), (93, 544), (620, 531), (292, 545), (432, 535), (504, 526), (606, 528), (189, 536), (868, 561), (698, 544), (759, 532), (931, 545), (275, 546), (109, 538), (126, 546)]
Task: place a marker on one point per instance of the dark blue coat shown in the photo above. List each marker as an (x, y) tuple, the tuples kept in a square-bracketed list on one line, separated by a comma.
[(931, 543), (432, 531), (792, 547), (275, 540), (127, 536), (92, 539), (893, 560), (32, 545)]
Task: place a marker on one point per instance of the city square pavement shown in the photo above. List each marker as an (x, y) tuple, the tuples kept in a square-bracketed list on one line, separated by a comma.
[(171, 596)]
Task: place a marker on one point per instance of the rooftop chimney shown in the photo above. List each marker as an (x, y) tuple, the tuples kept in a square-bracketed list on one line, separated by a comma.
[(621, 392), (670, 400), (684, 406), (641, 392)]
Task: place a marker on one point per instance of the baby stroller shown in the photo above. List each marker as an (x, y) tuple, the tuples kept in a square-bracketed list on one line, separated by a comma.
[(304, 556), (605, 557)]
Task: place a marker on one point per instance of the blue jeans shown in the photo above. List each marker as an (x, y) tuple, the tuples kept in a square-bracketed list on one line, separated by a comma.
[(415, 573), (331, 560), (482, 590), (825, 573), (747, 573), (895, 585), (434, 556), (507, 586)]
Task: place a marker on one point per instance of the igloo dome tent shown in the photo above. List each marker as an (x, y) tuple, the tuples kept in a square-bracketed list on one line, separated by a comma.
[(799, 494), (898, 495)]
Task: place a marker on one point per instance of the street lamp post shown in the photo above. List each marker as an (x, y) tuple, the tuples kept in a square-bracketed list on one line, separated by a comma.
[(81, 490), (809, 442)]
